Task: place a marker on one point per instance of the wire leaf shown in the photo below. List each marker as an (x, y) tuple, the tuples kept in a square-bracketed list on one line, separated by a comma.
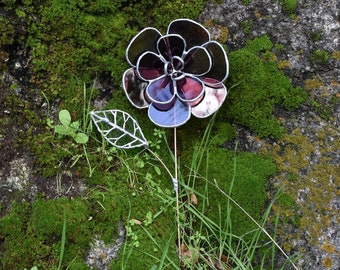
[(119, 129)]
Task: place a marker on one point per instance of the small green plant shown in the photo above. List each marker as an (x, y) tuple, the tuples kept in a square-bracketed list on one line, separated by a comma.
[(320, 57), (279, 46), (247, 26), (289, 6), (79, 130), (69, 128), (159, 135), (7, 33), (246, 2), (316, 36), (323, 110), (131, 234)]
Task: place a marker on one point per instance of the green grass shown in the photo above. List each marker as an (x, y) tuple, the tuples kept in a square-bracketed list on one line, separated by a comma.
[(62, 244), (207, 241)]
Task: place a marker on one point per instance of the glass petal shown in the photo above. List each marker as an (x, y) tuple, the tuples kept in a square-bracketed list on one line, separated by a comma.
[(164, 106), (170, 46), (145, 40), (193, 33), (220, 65), (161, 90), (134, 89), (211, 82), (150, 66), (189, 89), (211, 102), (177, 115), (197, 61)]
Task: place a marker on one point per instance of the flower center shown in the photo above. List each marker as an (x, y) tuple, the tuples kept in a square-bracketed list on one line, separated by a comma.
[(174, 68)]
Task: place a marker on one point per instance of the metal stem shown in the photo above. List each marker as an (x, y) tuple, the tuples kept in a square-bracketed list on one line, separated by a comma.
[(177, 196)]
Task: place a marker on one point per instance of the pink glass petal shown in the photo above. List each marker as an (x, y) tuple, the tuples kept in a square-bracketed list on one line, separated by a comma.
[(145, 40), (190, 89), (193, 33), (150, 66), (134, 89), (171, 45), (220, 65), (177, 115), (212, 101), (161, 90), (197, 61)]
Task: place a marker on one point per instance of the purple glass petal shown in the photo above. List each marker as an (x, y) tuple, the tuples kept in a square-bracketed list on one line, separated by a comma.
[(145, 40), (164, 106), (134, 89), (197, 61), (177, 115), (161, 90), (149, 66), (190, 89), (193, 33), (211, 102), (220, 64), (170, 46)]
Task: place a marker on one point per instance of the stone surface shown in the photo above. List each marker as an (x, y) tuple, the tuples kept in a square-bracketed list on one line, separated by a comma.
[(313, 132)]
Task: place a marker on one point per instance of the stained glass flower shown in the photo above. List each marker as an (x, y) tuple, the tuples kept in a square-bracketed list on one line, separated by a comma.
[(176, 74)]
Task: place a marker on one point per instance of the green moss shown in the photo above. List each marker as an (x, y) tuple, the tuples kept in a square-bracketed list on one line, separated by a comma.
[(7, 32), (289, 6), (316, 36), (320, 57), (74, 42), (247, 26), (259, 86), (285, 201), (12, 224), (246, 2), (53, 211), (32, 233), (114, 200), (4, 56), (248, 189), (288, 209), (18, 250), (9, 4), (260, 44), (279, 47)]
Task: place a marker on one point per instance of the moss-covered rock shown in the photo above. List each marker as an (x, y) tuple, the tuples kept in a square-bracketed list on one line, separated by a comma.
[(31, 235), (257, 86)]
